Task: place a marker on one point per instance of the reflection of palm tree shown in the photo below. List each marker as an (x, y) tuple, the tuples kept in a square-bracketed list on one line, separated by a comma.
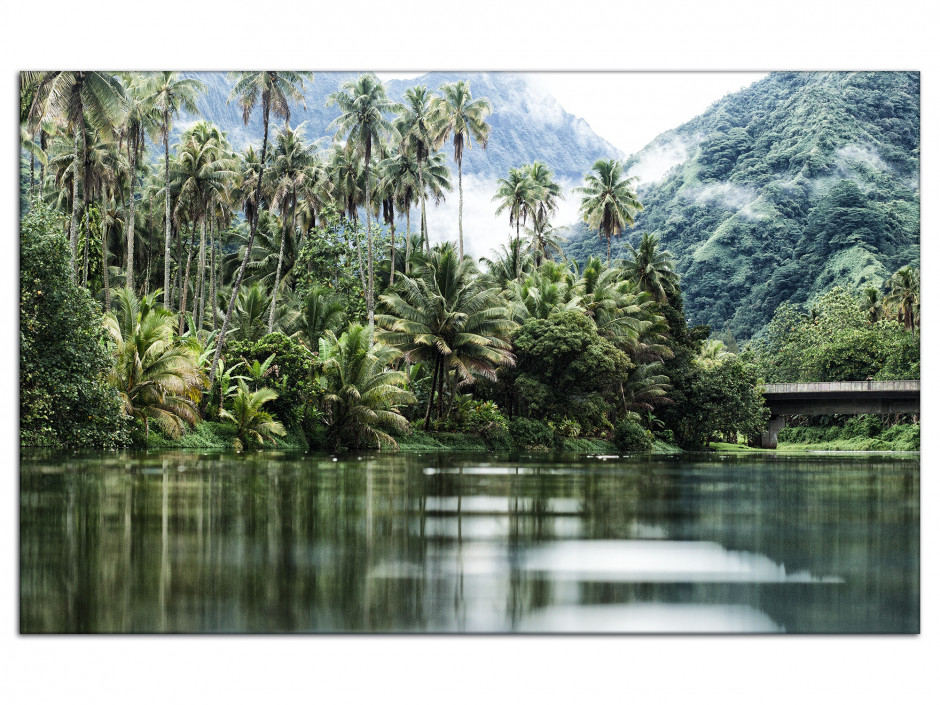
[(609, 202), (458, 114), (445, 315)]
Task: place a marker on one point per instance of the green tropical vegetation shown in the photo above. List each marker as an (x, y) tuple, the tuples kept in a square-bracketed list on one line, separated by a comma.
[(177, 290)]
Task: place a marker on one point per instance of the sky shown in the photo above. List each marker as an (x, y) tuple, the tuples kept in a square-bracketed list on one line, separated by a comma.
[(604, 99)]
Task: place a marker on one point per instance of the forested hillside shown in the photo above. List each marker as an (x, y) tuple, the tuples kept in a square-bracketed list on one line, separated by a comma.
[(801, 182)]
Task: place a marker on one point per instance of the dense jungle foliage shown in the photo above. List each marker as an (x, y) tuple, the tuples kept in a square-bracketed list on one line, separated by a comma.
[(180, 292)]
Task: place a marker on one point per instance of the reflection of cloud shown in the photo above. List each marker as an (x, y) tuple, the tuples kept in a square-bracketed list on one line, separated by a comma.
[(658, 561), (648, 618)]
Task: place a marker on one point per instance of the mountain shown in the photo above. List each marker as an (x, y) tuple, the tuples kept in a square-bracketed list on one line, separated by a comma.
[(796, 184), (526, 124)]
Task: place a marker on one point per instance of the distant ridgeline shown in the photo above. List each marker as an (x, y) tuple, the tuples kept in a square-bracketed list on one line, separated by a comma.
[(801, 182), (527, 123)]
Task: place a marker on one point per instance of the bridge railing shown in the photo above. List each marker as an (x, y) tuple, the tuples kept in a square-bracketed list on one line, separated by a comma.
[(904, 385)]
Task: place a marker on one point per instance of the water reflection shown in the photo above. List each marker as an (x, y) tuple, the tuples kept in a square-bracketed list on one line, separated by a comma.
[(213, 542)]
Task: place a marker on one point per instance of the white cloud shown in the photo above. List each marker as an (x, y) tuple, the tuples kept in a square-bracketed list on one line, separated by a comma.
[(658, 159)]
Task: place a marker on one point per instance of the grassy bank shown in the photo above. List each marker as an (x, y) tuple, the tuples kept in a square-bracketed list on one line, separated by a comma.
[(858, 436)]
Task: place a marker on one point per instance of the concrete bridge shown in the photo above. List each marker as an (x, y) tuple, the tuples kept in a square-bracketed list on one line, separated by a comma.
[(816, 398)]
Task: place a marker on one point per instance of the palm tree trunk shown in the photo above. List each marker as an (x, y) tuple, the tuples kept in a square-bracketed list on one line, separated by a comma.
[(104, 263), (407, 237), (251, 240), (460, 205), (423, 223), (427, 414), (370, 303), (167, 292), (391, 280), (201, 278), (73, 233), (280, 259), (212, 278), (362, 268), (185, 286), (132, 148)]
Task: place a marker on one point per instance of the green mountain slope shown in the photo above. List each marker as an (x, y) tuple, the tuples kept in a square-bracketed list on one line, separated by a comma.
[(793, 185)]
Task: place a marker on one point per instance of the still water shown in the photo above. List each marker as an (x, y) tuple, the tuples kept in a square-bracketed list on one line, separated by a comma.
[(425, 542)]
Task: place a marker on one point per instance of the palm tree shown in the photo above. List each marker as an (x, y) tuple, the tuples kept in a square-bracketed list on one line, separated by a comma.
[(158, 379), (252, 423), (457, 113), (321, 312), (275, 90), (168, 93), (508, 263), (904, 296), (445, 315), (420, 135), (291, 170), (363, 104), (652, 269), (436, 178), (139, 118), (78, 100), (519, 194), (872, 304), (361, 392), (401, 176), (202, 172), (609, 203)]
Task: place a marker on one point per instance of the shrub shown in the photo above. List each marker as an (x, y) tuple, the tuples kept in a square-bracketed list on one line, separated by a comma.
[(64, 358), (529, 433), (630, 437)]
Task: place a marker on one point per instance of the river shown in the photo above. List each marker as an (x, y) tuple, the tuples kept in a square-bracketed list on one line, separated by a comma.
[(210, 542)]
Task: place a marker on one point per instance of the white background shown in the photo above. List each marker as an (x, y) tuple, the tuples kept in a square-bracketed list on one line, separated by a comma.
[(408, 35)]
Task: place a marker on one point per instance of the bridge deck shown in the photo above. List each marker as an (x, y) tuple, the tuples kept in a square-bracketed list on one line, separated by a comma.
[(905, 385)]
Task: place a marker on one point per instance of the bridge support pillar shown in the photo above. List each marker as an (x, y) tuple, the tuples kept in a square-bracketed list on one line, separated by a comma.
[(768, 438)]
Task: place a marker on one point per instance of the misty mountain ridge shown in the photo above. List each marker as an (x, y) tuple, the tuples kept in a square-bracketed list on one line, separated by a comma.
[(793, 185)]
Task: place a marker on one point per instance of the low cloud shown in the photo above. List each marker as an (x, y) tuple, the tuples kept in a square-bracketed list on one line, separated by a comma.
[(734, 197), (656, 160)]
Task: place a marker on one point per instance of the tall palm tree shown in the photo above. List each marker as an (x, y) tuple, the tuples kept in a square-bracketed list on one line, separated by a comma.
[(457, 114), (79, 100), (443, 314), (904, 296), (138, 119), (519, 194), (202, 172), (651, 268), (402, 177), (420, 135), (609, 202), (291, 170), (436, 178), (275, 90), (361, 391), (168, 93), (363, 104), (157, 378)]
